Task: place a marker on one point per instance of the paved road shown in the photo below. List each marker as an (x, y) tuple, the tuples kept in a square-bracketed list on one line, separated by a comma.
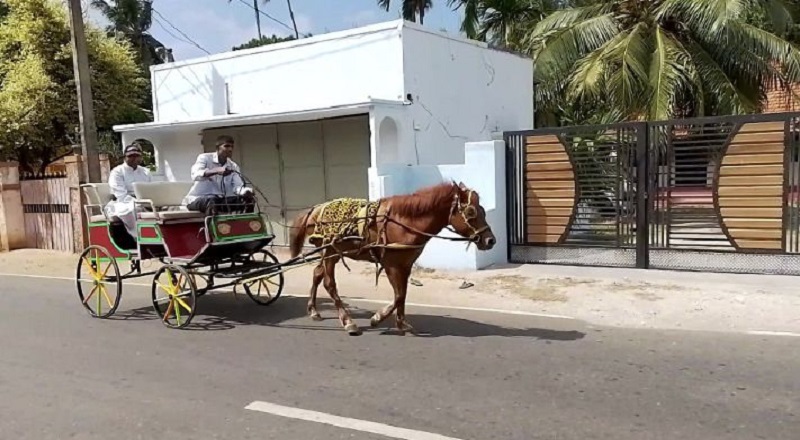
[(478, 376)]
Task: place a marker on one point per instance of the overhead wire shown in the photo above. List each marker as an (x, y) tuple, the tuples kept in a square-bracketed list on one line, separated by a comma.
[(185, 39), (267, 15)]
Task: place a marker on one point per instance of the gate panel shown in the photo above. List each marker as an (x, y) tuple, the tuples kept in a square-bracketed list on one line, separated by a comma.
[(579, 200), (707, 194), (45, 205)]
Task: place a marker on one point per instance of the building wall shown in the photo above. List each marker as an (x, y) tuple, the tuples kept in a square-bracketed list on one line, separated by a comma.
[(483, 170), (460, 92), (335, 69), (175, 151), (779, 100)]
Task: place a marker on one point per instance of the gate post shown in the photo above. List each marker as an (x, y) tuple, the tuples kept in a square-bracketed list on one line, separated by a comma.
[(642, 199), (75, 177), (12, 218), (105, 168)]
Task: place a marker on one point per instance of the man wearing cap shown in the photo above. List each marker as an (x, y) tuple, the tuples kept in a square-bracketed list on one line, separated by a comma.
[(218, 187), (121, 180)]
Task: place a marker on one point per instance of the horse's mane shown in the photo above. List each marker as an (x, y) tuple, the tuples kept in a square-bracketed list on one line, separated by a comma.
[(423, 201)]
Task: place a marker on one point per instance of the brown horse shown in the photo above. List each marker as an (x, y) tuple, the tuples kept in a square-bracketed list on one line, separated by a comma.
[(392, 235)]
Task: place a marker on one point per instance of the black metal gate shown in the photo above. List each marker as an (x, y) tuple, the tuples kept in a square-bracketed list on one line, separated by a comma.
[(709, 194)]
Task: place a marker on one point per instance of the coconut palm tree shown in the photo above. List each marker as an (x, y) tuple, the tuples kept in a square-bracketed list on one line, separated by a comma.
[(663, 58), (133, 19), (502, 22), (411, 9)]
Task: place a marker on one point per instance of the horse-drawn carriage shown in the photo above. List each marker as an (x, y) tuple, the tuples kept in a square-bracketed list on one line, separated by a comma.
[(229, 250), (221, 251)]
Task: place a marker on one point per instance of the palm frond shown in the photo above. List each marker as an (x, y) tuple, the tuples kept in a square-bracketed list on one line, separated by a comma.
[(721, 87), (669, 74), (590, 73), (628, 83), (569, 17), (556, 53)]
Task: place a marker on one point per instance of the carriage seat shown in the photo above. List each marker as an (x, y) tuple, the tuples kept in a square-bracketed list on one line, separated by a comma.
[(97, 196), (165, 199)]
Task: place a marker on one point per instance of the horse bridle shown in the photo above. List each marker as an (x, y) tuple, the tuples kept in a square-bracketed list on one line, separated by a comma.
[(467, 212)]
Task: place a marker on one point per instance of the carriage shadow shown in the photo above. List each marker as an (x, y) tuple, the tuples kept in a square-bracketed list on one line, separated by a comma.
[(224, 312)]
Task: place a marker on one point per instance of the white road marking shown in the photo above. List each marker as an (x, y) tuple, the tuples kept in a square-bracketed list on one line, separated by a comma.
[(770, 333), (344, 422), (364, 300)]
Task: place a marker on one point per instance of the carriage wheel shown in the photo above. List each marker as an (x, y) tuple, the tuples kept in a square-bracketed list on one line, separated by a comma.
[(266, 290), (97, 279), (174, 296)]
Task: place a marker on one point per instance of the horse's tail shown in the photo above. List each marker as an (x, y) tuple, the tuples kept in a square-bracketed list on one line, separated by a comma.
[(297, 235)]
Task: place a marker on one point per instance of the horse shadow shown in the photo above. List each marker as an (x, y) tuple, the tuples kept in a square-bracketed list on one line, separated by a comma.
[(221, 311)]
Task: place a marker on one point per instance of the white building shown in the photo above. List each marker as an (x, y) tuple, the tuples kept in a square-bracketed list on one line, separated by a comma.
[(366, 112)]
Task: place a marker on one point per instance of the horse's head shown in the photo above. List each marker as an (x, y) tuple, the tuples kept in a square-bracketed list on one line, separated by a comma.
[(468, 218)]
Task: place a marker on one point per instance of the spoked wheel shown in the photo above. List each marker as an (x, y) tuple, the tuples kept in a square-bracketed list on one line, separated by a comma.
[(266, 289), (97, 279), (174, 296)]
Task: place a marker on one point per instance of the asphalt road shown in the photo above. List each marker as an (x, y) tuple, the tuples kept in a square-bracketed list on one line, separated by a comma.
[(477, 376)]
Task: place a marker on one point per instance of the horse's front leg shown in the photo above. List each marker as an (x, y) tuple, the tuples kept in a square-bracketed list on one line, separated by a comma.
[(398, 278), (318, 275)]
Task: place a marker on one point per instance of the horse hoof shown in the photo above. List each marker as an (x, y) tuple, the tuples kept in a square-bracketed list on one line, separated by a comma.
[(316, 316), (352, 329), (374, 321)]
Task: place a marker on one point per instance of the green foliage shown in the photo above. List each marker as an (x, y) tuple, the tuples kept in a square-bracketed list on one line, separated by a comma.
[(663, 59), (38, 97), (263, 41)]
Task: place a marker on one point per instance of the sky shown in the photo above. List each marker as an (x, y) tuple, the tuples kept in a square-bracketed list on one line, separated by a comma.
[(191, 27)]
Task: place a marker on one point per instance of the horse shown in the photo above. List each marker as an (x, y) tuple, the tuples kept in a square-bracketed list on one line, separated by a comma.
[(391, 233)]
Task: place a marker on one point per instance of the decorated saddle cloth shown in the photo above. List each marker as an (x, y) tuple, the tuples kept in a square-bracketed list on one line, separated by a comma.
[(344, 218)]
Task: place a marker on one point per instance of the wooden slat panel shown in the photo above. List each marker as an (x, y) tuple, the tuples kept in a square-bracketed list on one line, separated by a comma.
[(759, 244), (754, 223), (750, 191), (544, 148), (537, 184), (750, 180), (556, 230), (752, 159), (745, 149), (547, 157), (751, 213), (547, 220), (751, 127), (777, 137), (547, 211), (542, 238), (733, 202), (758, 234), (551, 193), (542, 139), (752, 170), (551, 202), (550, 175), (551, 166)]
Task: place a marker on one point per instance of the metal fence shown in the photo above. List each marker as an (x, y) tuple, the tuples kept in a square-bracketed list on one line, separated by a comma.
[(715, 194)]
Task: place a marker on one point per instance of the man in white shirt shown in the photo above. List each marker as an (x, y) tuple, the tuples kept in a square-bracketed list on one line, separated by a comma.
[(218, 186), (121, 180)]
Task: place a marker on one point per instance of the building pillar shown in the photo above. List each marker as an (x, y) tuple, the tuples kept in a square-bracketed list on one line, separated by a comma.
[(77, 200), (12, 218)]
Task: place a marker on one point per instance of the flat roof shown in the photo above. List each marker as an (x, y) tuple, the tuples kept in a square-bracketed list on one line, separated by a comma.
[(258, 119)]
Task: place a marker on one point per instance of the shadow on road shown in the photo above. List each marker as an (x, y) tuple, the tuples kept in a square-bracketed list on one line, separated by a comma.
[(225, 312)]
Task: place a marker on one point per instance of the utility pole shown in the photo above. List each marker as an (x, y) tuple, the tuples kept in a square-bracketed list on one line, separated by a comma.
[(258, 18), (80, 64)]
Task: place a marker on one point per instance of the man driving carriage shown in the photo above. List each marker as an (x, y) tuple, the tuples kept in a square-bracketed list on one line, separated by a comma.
[(121, 180), (218, 186)]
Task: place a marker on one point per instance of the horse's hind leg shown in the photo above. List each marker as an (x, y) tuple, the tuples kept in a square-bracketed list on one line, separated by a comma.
[(318, 275), (330, 285)]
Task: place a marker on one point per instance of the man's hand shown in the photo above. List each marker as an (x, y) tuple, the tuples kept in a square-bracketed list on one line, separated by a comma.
[(216, 171), (226, 171)]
